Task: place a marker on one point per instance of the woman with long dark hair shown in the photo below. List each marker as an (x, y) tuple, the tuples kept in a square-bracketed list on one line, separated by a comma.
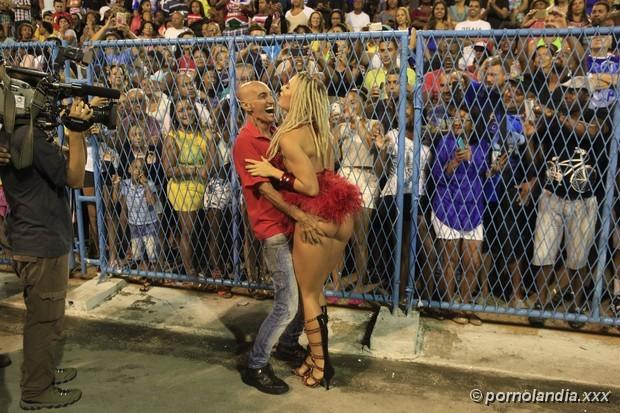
[(440, 19), (576, 16), (336, 17)]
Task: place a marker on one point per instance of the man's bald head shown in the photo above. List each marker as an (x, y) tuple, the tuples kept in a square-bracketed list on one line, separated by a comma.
[(257, 102), (249, 90)]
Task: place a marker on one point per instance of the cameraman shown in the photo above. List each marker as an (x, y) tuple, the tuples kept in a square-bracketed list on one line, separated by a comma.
[(40, 236)]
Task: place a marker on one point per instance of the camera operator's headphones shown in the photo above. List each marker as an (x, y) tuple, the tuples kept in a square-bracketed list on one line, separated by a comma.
[(21, 149)]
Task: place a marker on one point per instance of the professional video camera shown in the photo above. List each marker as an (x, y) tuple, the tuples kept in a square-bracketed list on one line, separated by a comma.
[(34, 98)]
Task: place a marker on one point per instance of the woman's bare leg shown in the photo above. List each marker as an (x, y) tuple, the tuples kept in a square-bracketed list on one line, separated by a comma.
[(313, 263), (472, 259), (449, 261), (187, 220), (361, 226), (91, 209)]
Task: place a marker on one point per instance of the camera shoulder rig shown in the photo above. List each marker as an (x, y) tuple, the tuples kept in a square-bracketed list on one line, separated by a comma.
[(22, 148)]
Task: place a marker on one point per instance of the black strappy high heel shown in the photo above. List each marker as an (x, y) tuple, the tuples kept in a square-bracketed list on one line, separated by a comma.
[(327, 369), (308, 358)]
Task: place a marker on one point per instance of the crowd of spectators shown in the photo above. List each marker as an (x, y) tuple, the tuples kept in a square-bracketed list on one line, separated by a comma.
[(512, 158)]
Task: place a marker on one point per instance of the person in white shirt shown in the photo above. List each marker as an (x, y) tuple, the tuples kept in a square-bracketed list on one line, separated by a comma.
[(388, 210), (357, 19), (473, 22), (177, 27), (298, 15)]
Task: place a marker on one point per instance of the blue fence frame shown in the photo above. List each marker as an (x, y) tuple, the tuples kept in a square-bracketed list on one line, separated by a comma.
[(606, 225), (394, 300), (232, 43)]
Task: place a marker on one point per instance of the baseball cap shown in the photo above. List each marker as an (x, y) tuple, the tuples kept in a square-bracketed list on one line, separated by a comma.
[(103, 11)]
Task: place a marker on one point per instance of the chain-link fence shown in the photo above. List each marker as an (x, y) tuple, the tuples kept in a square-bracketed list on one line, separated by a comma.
[(487, 161), (517, 165), (172, 204), (508, 194)]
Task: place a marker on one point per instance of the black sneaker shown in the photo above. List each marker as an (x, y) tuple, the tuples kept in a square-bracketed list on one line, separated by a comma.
[(64, 375), (537, 321), (264, 379), (52, 398), (295, 354), (5, 361), (615, 305), (577, 325)]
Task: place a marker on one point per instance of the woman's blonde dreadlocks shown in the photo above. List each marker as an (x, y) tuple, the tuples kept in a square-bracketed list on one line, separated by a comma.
[(310, 106)]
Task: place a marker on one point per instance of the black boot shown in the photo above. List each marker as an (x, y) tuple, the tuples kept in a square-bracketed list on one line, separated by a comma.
[(265, 380), (324, 312)]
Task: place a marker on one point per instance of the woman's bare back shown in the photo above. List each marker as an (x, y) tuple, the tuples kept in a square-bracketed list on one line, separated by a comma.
[(302, 136)]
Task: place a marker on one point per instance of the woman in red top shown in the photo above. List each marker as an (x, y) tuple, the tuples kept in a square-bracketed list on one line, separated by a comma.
[(302, 161)]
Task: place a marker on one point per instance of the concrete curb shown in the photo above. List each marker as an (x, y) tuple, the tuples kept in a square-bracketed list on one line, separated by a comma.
[(521, 352), (92, 293)]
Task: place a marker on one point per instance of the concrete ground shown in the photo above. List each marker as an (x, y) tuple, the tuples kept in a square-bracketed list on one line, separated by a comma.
[(172, 350)]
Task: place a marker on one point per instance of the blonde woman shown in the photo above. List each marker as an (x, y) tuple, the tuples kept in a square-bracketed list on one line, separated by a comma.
[(403, 22), (301, 151)]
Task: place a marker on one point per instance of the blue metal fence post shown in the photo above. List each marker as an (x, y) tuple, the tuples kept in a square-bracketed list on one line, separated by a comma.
[(400, 168), (418, 106), (80, 198), (599, 277), (235, 187), (61, 139), (79, 212), (99, 205), (103, 260)]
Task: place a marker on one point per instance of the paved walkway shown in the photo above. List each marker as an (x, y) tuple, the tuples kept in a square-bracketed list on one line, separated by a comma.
[(179, 351)]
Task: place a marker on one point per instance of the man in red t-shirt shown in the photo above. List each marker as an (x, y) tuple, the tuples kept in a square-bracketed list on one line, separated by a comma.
[(270, 217)]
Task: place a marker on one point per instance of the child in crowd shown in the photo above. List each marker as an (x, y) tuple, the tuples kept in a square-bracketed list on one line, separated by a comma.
[(138, 198)]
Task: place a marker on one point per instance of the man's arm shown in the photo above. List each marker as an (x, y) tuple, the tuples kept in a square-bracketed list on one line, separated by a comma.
[(101, 32), (309, 224), (151, 198), (76, 157), (243, 150)]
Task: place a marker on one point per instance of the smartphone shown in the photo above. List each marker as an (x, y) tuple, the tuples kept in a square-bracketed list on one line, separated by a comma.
[(540, 14), (121, 19), (460, 143)]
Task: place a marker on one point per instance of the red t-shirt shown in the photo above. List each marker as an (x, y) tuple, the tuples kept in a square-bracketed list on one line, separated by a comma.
[(186, 63), (266, 220)]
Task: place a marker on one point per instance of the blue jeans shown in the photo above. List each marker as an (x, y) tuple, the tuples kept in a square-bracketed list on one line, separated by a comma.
[(285, 322)]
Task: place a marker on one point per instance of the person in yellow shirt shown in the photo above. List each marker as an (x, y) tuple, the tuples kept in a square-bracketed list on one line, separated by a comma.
[(44, 31), (374, 80), (188, 156)]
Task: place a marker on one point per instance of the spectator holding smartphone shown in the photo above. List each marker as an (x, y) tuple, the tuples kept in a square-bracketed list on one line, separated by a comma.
[(535, 18), (459, 170)]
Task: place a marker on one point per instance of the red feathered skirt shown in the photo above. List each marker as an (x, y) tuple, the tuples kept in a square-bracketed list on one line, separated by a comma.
[(337, 198)]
